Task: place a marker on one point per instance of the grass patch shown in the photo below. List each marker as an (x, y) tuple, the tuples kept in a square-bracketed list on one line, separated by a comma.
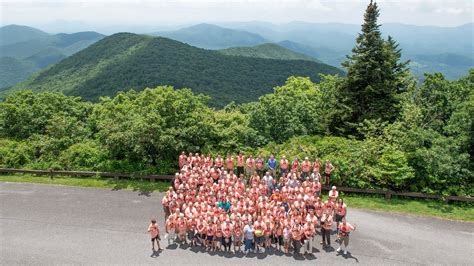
[(142, 186), (433, 208), (462, 211)]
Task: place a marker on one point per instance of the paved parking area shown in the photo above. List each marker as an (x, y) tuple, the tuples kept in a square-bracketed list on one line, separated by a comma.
[(51, 224)]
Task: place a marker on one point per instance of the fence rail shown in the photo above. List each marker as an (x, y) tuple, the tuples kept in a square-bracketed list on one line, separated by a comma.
[(388, 193), (52, 173)]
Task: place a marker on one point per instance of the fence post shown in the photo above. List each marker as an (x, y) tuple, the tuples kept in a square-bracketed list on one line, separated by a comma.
[(388, 194), (50, 173)]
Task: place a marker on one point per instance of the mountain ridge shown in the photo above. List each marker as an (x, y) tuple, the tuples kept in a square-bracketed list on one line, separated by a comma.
[(124, 61)]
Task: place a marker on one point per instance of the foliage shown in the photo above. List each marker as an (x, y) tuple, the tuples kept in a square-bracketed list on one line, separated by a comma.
[(415, 137), (269, 51), (374, 75)]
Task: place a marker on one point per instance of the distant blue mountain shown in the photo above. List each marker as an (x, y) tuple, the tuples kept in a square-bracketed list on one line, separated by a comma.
[(29, 50)]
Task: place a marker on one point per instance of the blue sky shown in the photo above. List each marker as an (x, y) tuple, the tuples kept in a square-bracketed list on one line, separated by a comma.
[(103, 13)]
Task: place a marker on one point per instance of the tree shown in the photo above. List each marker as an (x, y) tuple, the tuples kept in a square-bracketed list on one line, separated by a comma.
[(374, 75), (294, 109)]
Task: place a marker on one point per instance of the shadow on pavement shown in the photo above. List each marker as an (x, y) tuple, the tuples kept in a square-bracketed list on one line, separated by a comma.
[(347, 256)]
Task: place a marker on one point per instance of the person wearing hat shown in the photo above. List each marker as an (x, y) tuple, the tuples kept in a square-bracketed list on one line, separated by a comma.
[(333, 194)]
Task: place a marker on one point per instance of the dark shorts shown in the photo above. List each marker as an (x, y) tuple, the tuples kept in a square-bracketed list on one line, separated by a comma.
[(203, 236), (157, 238), (229, 241), (166, 209), (259, 239), (277, 239), (339, 218), (209, 238), (240, 170)]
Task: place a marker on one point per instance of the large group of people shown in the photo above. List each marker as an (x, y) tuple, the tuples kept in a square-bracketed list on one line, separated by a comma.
[(251, 205)]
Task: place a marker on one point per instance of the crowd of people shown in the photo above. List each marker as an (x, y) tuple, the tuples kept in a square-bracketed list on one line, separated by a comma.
[(224, 204)]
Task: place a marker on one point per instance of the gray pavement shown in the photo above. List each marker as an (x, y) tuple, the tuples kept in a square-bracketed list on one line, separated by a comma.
[(51, 224)]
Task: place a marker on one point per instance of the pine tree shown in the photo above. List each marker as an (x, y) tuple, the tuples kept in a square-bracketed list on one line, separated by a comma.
[(374, 75)]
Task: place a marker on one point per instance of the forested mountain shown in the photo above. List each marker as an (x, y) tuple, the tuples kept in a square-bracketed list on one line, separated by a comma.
[(11, 34), (13, 70), (124, 61), (269, 51), (213, 37), (33, 47)]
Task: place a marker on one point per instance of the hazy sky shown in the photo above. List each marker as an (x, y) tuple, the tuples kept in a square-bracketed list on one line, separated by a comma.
[(104, 13)]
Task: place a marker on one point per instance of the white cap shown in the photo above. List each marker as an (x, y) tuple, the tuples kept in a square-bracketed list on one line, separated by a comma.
[(333, 187)]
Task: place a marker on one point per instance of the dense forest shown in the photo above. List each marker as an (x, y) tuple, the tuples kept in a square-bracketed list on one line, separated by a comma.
[(123, 61), (269, 51), (379, 126)]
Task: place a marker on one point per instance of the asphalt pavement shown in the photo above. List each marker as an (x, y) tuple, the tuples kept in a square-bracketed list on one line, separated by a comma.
[(53, 224)]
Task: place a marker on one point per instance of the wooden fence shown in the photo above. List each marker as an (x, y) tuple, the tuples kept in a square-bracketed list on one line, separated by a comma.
[(388, 193)]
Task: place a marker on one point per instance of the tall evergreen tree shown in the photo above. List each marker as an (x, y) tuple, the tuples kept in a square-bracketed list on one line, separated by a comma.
[(374, 75)]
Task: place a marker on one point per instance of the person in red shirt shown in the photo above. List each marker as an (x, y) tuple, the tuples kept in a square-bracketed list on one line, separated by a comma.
[(344, 230), (333, 194), (250, 163), (240, 164), (341, 211), (219, 162), (259, 166), (283, 166), (327, 172), (295, 165), (326, 225), (229, 162), (305, 167), (182, 160), (155, 235)]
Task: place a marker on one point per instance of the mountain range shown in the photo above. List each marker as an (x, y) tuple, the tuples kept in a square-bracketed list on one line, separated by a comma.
[(124, 60), (25, 50), (331, 42)]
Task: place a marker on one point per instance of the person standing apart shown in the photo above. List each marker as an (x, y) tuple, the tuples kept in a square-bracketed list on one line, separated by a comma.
[(272, 164), (344, 230), (155, 235), (327, 172)]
